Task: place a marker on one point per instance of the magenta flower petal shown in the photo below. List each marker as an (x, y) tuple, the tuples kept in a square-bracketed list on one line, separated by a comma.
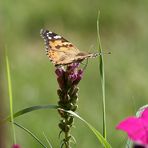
[(136, 127), (16, 146)]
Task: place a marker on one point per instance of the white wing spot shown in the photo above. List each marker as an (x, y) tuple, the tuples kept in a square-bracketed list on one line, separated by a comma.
[(49, 37), (57, 37)]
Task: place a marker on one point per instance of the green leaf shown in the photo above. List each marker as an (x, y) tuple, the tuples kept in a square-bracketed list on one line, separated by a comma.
[(47, 140), (30, 133), (30, 109), (101, 67), (102, 140), (10, 96)]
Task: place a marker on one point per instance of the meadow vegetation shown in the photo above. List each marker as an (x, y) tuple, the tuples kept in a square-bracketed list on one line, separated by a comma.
[(124, 32)]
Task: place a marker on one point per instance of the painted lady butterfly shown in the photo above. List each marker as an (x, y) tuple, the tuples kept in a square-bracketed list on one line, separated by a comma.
[(62, 52)]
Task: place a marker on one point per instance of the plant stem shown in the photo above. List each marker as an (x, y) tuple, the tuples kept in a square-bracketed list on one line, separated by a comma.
[(102, 78), (10, 96), (67, 144)]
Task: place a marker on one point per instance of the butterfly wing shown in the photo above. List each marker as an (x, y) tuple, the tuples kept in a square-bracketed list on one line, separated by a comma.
[(60, 51)]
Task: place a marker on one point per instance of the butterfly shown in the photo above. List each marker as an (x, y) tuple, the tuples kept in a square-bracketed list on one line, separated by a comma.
[(62, 52)]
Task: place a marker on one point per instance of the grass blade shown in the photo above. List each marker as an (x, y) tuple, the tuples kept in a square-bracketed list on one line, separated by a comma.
[(10, 96), (30, 133), (47, 140), (102, 140), (102, 77), (30, 109)]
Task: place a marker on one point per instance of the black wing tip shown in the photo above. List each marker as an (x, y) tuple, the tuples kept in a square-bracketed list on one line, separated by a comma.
[(43, 32)]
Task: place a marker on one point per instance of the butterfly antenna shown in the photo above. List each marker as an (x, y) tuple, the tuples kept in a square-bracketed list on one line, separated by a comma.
[(85, 65), (102, 52), (91, 48)]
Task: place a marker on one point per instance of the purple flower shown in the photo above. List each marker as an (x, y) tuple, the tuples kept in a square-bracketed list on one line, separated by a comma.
[(72, 77), (79, 76), (69, 76), (16, 146), (60, 72), (74, 74), (73, 66), (75, 77)]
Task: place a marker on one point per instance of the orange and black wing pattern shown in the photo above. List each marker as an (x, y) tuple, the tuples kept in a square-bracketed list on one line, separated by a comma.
[(62, 52)]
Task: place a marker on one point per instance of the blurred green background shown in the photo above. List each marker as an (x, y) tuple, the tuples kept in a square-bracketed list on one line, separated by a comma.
[(124, 32)]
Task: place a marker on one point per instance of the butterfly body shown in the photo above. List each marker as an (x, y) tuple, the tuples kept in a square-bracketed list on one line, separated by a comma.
[(62, 52)]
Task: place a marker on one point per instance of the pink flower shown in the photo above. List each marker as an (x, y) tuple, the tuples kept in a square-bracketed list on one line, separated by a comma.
[(136, 127), (16, 146)]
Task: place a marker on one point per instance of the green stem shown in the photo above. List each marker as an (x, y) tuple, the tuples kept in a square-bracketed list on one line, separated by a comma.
[(67, 144), (103, 101), (10, 96), (102, 78), (67, 134)]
